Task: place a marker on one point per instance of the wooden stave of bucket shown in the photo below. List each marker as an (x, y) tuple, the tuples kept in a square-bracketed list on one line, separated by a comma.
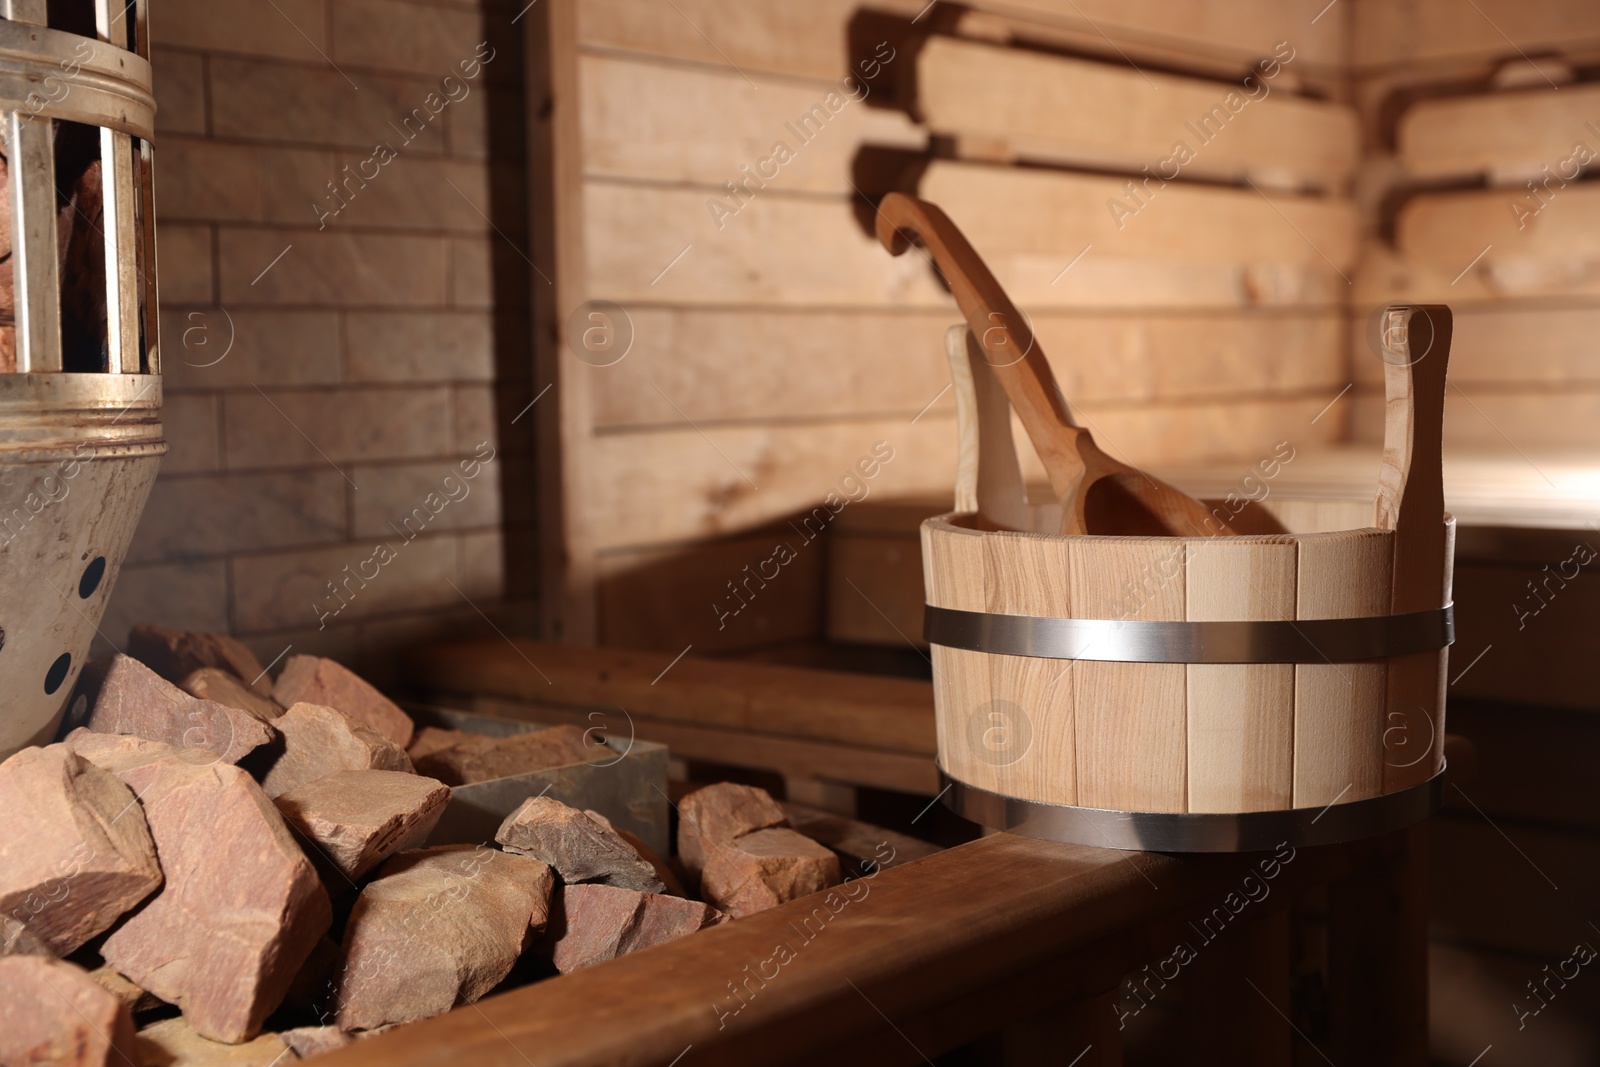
[(1199, 738)]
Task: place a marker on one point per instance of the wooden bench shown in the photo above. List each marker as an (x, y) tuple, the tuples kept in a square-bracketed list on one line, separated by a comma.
[(1024, 945)]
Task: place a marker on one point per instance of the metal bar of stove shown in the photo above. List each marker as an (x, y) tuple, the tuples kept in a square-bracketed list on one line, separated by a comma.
[(31, 150), (108, 22), (145, 164), (141, 28), (33, 12), (122, 252), (121, 245), (147, 262), (34, 266)]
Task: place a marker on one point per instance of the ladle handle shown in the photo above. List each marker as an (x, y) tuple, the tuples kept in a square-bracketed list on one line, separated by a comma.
[(1004, 335)]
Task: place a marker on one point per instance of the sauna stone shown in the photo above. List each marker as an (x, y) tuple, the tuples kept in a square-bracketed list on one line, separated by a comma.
[(431, 739), (579, 847), (663, 870), (766, 868), (176, 654), (315, 680), (357, 819), (54, 1012), (17, 940), (174, 1043), (213, 683), (117, 984), (133, 699), (439, 927), (481, 758), (75, 853), (242, 906), (320, 740), (602, 922), (719, 813), (119, 752), (308, 1041)]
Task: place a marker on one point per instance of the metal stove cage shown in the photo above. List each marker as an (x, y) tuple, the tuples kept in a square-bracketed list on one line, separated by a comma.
[(80, 436)]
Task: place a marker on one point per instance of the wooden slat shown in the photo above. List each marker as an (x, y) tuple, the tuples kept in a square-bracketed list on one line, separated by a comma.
[(799, 40), (1508, 135), (689, 482), (1244, 30), (1028, 576), (892, 714), (1008, 212), (720, 364), (1549, 487), (1131, 716), (1481, 417), (1447, 230), (1054, 108), (1338, 707), (971, 743), (664, 599), (794, 758), (1509, 345), (679, 484), (1203, 248), (1240, 715), (1426, 30), (811, 42), (648, 121), (1494, 280), (779, 250)]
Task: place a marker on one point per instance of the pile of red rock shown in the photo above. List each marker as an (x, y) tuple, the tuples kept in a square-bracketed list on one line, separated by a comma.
[(212, 854)]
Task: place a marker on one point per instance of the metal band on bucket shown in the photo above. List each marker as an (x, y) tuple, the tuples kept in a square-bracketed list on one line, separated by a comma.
[(1137, 641), (1159, 831)]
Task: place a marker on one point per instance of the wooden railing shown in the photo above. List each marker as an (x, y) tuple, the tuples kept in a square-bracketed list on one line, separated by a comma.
[(1026, 941)]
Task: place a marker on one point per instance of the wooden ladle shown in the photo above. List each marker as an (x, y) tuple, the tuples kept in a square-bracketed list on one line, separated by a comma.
[(1098, 494)]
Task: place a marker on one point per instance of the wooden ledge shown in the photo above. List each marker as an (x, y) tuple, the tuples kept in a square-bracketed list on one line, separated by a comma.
[(892, 714), (946, 948)]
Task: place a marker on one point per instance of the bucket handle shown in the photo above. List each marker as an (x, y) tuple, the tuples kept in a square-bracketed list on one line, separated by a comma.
[(988, 476), (1414, 344)]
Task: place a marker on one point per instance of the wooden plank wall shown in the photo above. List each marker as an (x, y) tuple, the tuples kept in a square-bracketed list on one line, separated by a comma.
[(1479, 124), (777, 353)]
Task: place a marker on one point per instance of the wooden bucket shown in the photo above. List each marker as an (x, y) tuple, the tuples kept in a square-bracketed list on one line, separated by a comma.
[(1192, 693)]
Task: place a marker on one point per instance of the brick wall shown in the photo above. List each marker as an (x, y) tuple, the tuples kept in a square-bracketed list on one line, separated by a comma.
[(378, 339)]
